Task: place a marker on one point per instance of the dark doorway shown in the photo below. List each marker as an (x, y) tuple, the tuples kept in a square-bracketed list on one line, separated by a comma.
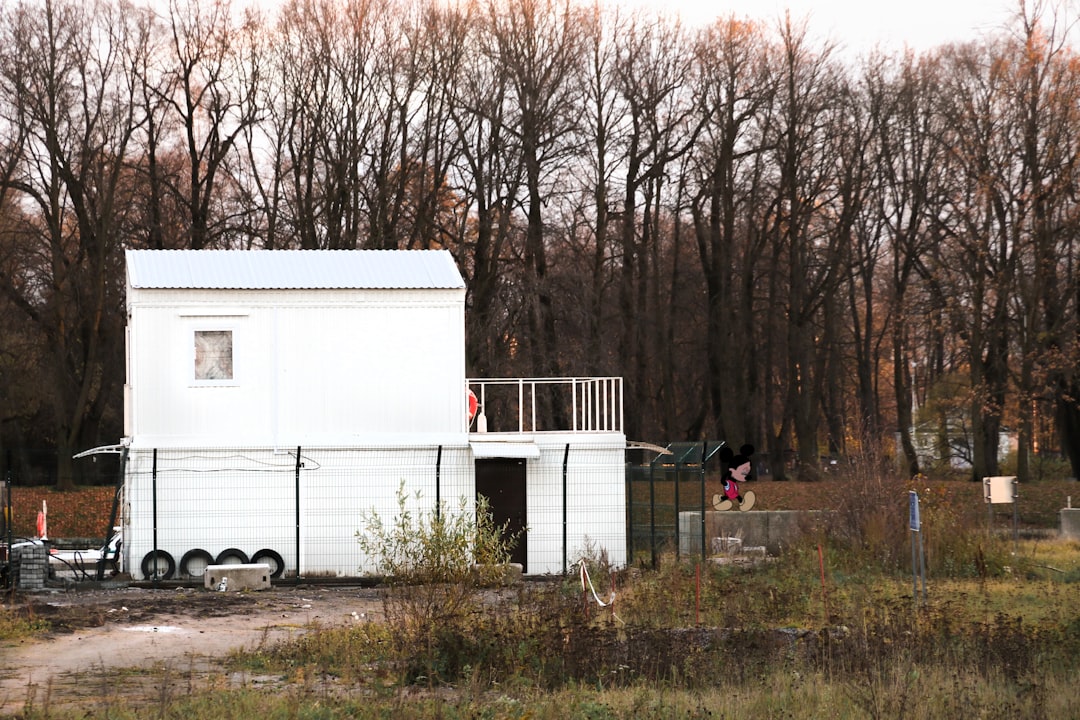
[(502, 482)]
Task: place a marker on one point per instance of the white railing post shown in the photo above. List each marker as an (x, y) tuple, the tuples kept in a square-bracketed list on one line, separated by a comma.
[(574, 404), (521, 405), (532, 393), (586, 405), (621, 418)]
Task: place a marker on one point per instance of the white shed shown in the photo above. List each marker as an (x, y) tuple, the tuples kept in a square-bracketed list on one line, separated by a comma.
[(275, 397)]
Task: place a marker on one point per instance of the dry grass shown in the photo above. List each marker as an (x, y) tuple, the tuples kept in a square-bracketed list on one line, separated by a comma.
[(1038, 504), (839, 634)]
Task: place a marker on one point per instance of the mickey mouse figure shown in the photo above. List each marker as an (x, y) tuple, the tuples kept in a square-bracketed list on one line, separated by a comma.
[(738, 470)]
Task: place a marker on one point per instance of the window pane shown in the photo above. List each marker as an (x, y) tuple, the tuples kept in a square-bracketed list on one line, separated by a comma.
[(213, 355)]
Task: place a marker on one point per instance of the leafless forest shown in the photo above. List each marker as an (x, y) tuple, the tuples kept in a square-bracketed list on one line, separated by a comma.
[(769, 243)]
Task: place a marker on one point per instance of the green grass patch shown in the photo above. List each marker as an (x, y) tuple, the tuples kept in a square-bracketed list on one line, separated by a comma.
[(18, 622)]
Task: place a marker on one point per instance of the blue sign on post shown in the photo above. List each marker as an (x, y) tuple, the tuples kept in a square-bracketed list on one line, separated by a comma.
[(913, 511)]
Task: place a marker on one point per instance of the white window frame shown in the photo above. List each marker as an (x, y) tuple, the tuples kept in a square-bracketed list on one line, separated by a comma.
[(204, 326)]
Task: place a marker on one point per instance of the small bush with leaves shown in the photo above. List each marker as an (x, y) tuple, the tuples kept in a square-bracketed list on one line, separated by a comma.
[(436, 565), (437, 546)]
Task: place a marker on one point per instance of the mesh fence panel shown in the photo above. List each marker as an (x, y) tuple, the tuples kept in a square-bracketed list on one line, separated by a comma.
[(306, 505)]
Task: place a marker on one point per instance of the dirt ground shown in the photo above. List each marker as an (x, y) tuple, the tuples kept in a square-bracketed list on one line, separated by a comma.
[(186, 631)]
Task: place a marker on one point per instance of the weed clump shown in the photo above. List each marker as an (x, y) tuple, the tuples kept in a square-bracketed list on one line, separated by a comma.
[(436, 566)]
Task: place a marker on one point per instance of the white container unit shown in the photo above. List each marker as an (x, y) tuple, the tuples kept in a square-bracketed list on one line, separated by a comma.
[(238, 360)]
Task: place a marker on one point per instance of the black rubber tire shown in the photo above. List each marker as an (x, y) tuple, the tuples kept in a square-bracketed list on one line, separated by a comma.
[(191, 556), (150, 561), (231, 556), (271, 558)]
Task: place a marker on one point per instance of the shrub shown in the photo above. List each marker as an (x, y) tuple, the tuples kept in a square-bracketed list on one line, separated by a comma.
[(435, 566), (868, 521)]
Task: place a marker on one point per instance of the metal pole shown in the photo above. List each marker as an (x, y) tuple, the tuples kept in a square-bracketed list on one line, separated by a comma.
[(296, 508), (565, 459), (574, 408), (914, 570), (704, 447), (1016, 533), (652, 512), (629, 521), (112, 514), (678, 478), (922, 565), (153, 504), (438, 484), (9, 516), (914, 526)]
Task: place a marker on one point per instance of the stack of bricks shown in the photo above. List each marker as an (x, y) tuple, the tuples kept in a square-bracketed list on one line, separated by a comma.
[(30, 566)]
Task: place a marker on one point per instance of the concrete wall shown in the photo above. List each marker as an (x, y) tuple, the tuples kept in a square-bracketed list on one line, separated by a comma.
[(773, 529)]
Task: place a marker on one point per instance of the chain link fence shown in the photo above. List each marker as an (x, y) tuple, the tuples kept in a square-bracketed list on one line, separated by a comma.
[(300, 510), (667, 493)]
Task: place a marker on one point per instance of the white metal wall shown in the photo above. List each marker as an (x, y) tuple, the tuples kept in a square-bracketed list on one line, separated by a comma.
[(595, 501), (317, 367), (247, 499), (213, 500)]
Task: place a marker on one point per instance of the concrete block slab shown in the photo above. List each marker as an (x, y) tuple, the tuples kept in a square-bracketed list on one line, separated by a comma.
[(727, 545), (771, 529), (1070, 523), (225, 578)]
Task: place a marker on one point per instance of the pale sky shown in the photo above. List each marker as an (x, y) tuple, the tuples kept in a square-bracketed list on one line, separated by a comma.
[(855, 26), (858, 25)]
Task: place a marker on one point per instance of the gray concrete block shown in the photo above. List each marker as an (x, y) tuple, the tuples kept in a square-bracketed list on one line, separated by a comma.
[(1069, 519), (726, 545), (227, 578), (30, 565), (771, 529)]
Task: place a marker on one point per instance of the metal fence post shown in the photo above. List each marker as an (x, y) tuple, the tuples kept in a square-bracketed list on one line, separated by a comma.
[(652, 511), (438, 484), (678, 529), (296, 503), (704, 447), (121, 474), (565, 459), (153, 504), (8, 517)]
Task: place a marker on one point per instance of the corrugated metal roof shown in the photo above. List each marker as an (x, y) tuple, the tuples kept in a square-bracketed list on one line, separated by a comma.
[(292, 269)]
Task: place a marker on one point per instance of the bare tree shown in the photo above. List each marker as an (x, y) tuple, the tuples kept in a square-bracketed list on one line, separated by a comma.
[(161, 205), (1044, 83), (538, 44), (597, 217), (806, 259), (906, 138), (847, 220), (64, 82), (208, 90), (982, 254), (653, 73), (489, 177), (737, 88), (432, 212)]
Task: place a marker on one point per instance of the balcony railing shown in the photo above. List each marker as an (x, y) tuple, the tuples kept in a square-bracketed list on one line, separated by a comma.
[(529, 405)]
